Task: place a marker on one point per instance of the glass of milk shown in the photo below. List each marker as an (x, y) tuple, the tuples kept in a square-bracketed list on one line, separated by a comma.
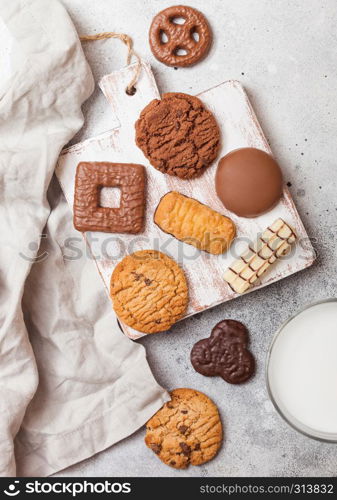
[(302, 371)]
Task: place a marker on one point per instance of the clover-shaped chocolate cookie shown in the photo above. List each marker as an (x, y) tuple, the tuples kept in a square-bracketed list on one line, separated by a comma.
[(225, 353)]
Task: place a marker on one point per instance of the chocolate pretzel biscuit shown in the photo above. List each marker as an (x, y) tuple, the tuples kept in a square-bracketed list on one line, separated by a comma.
[(190, 221), (274, 243), (169, 39), (91, 177)]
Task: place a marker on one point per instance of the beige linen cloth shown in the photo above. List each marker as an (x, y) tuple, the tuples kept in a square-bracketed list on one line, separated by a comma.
[(71, 384)]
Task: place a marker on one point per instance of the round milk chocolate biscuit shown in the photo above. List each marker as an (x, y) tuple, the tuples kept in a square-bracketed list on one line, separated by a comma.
[(180, 44), (178, 135), (186, 430), (249, 182), (149, 291), (224, 353)]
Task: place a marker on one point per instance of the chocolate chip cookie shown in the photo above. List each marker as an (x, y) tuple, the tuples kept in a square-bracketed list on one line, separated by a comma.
[(186, 430), (178, 135), (149, 291), (225, 353)]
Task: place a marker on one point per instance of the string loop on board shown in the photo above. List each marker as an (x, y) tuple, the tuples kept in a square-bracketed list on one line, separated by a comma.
[(127, 40)]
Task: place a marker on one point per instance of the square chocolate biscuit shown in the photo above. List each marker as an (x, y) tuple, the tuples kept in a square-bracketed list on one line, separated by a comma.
[(91, 177)]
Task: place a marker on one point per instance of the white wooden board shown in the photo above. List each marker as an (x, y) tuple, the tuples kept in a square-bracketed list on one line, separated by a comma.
[(240, 128)]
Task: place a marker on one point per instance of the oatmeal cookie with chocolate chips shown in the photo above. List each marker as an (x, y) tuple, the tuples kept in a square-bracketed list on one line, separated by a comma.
[(149, 291), (186, 430), (178, 135)]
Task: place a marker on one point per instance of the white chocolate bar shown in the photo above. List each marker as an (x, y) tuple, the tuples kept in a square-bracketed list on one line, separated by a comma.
[(274, 243)]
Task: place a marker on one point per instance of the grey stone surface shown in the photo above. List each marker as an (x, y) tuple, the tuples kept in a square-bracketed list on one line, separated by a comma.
[(284, 52)]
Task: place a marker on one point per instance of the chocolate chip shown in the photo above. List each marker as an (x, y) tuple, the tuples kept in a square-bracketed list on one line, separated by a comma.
[(183, 429), (197, 447), (147, 282), (186, 449), (137, 276), (184, 411), (158, 321), (156, 448), (172, 462)]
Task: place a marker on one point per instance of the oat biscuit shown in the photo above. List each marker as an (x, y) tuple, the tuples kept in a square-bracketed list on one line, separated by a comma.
[(186, 430), (178, 135), (168, 39), (149, 291), (90, 216), (274, 243), (194, 223)]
